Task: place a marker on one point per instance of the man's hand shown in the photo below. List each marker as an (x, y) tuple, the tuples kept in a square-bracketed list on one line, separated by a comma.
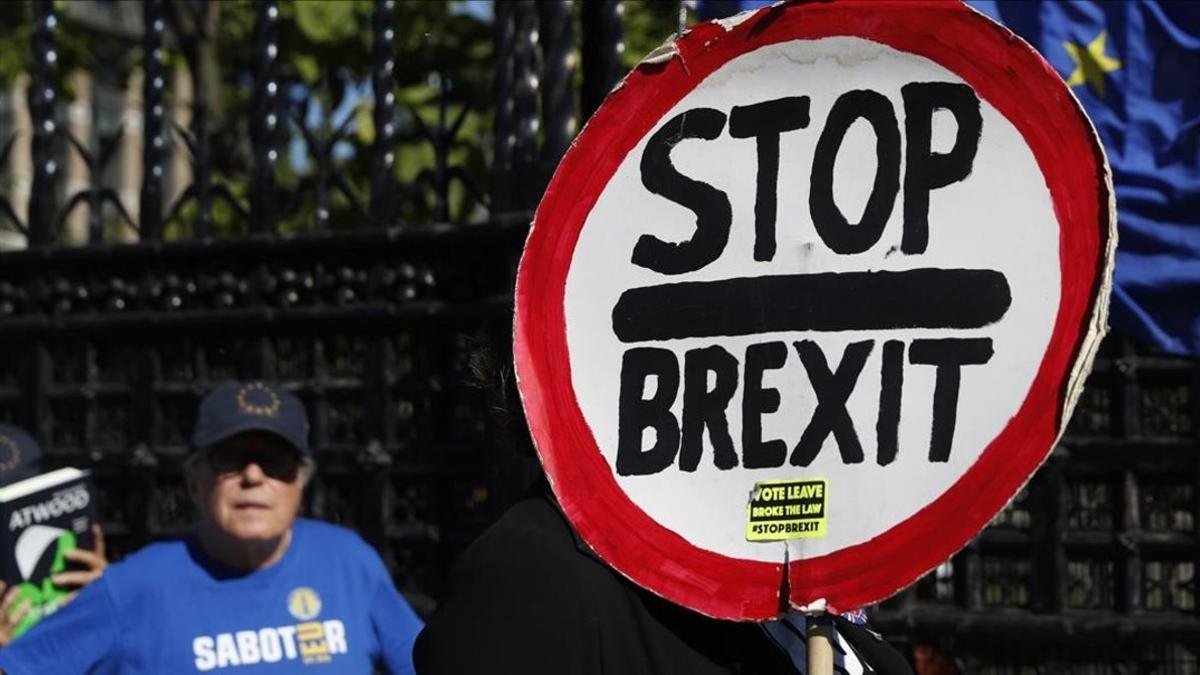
[(10, 616), (94, 561), (12, 612)]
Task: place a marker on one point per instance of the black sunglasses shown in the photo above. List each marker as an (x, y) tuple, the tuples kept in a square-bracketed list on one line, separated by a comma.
[(281, 465)]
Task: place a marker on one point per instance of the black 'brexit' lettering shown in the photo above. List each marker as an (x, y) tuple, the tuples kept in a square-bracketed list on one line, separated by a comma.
[(758, 400), (891, 383), (706, 408), (832, 390), (638, 414), (949, 355)]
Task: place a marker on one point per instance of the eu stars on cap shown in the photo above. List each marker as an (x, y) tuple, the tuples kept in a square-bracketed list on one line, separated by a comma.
[(237, 407)]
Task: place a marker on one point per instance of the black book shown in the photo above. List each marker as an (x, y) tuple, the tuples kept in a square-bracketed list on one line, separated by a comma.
[(44, 517)]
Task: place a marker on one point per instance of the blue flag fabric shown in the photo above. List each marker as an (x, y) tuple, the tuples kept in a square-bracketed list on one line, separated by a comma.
[(1135, 67), (719, 9)]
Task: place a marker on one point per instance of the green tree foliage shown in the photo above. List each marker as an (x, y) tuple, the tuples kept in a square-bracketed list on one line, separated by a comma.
[(443, 70), (648, 23), (326, 63), (72, 50)]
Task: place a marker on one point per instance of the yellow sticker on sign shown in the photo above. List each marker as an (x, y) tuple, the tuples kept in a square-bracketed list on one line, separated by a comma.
[(786, 509)]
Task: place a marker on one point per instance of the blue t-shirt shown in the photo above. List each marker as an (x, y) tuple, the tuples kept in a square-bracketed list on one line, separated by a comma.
[(328, 604)]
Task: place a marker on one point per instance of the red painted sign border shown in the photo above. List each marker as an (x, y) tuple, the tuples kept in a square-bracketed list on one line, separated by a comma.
[(1005, 72)]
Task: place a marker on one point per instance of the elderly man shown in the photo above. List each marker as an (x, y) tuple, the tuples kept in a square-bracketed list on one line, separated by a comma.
[(252, 588)]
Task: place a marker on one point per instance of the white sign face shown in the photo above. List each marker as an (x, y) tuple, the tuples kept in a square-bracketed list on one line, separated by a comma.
[(812, 296), (999, 218)]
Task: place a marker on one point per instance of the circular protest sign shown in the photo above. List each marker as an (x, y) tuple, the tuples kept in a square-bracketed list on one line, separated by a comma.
[(809, 300)]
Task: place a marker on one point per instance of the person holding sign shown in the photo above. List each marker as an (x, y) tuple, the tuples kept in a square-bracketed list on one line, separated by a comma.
[(530, 596), (534, 598)]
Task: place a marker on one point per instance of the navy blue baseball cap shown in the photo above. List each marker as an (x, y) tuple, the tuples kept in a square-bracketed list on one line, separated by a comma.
[(20, 455), (237, 407)]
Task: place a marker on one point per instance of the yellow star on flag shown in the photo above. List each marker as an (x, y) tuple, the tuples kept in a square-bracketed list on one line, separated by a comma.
[(1091, 63)]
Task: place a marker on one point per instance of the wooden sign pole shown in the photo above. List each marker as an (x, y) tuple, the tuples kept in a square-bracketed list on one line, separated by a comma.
[(819, 644)]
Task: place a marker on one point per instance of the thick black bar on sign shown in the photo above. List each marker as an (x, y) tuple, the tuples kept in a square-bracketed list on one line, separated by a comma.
[(824, 302)]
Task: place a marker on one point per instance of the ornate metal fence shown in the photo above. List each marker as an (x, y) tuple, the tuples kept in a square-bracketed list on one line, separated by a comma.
[(389, 327)]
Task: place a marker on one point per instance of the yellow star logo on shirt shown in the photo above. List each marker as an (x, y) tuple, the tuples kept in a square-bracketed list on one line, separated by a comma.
[(1091, 63)]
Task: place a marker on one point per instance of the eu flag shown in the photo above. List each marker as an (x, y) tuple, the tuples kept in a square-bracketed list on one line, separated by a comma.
[(1135, 66)]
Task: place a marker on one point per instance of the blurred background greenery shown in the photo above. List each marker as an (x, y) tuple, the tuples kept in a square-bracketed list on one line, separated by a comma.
[(444, 59)]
